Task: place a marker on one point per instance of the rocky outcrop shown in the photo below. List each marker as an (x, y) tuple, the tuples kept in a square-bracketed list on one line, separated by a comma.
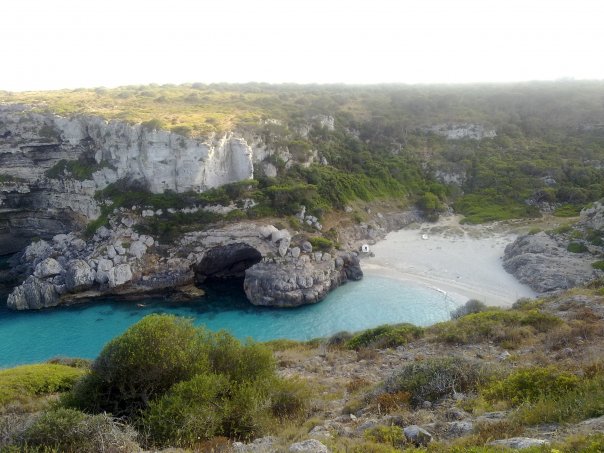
[(544, 263), (559, 259), (306, 279), (458, 131), (119, 261), (33, 204)]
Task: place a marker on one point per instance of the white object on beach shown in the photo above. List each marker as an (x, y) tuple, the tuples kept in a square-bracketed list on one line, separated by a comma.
[(424, 237), (365, 248)]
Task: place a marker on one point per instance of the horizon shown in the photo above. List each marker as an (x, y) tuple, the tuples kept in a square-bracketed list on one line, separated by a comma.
[(559, 81), (65, 44)]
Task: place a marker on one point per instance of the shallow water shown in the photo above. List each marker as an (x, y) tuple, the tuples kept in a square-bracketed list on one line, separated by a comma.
[(81, 331)]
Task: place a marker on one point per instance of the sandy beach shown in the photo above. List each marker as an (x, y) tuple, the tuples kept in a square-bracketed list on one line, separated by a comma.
[(463, 260)]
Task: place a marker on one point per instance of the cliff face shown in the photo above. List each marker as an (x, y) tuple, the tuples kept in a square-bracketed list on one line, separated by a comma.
[(35, 205)]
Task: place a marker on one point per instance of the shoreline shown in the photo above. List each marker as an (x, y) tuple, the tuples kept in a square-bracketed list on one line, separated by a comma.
[(463, 260)]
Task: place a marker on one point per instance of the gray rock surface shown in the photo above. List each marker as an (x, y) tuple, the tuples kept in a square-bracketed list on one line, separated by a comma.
[(543, 262), (417, 435), (308, 446), (34, 293), (78, 276), (48, 268), (298, 282), (519, 443), (119, 275)]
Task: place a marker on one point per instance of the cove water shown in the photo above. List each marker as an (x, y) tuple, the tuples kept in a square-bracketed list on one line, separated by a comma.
[(83, 330)]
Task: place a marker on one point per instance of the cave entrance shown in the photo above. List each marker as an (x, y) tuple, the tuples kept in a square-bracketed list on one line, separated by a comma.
[(226, 262)]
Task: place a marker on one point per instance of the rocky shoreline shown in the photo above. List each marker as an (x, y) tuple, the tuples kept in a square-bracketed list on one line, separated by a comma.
[(279, 270), (560, 259)]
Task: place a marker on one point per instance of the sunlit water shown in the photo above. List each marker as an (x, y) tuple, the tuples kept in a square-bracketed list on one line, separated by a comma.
[(81, 331)]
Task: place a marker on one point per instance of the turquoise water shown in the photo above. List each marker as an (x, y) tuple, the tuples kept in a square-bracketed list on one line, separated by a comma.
[(81, 331)]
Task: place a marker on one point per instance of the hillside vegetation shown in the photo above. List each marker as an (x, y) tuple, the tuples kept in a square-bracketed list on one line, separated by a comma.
[(534, 371), (548, 152)]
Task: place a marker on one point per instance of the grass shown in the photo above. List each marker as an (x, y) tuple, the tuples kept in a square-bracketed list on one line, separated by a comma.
[(386, 336), (28, 381)]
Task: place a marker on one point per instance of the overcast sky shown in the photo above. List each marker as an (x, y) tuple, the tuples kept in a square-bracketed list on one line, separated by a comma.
[(48, 44)]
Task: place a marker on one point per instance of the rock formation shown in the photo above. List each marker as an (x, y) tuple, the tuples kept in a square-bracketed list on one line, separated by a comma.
[(544, 262), (119, 261), (32, 204)]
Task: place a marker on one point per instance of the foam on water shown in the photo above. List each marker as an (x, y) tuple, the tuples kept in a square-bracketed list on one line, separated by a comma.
[(81, 331)]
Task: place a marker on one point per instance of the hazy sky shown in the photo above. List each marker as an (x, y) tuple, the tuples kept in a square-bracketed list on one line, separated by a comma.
[(77, 43)]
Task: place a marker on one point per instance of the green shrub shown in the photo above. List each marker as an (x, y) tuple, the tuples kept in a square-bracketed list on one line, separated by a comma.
[(391, 435), (434, 379), (386, 336), (598, 265), (505, 327), (32, 380), (529, 385), (321, 243), (576, 247), (583, 400), (567, 210), (471, 306), (152, 125), (240, 362), (190, 410), (290, 399), (69, 430), (141, 364)]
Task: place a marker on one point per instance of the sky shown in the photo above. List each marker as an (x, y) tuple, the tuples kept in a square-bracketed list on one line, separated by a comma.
[(53, 44)]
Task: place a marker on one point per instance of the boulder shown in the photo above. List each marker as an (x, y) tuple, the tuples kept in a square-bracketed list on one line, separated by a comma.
[(48, 268), (306, 247), (297, 282), (37, 251), (266, 231), (519, 443), (283, 246), (417, 435), (103, 268), (119, 275), (34, 294), (308, 446), (295, 251), (78, 276), (137, 249)]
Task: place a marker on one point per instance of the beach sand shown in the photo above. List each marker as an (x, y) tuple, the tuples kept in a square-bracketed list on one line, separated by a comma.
[(462, 260)]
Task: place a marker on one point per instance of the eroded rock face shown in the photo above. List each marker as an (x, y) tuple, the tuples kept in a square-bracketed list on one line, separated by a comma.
[(39, 205), (34, 293), (544, 264), (226, 261), (298, 281), (79, 276)]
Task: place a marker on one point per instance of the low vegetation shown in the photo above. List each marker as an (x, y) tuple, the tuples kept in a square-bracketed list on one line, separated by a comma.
[(167, 383)]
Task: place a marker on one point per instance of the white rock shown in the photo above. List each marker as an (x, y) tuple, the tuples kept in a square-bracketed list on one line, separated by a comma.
[(119, 275), (111, 253), (519, 443), (295, 251), (48, 268), (102, 271), (78, 276), (266, 231), (308, 446), (137, 249)]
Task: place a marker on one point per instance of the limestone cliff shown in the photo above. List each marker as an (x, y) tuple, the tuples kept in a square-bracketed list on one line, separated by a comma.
[(32, 204)]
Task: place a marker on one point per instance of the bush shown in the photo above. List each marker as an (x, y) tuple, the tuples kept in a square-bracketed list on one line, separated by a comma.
[(434, 379), (392, 435), (576, 247), (141, 364), (69, 430), (190, 410), (32, 380), (239, 362), (529, 385), (598, 265), (506, 327), (386, 336), (322, 244), (471, 306)]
